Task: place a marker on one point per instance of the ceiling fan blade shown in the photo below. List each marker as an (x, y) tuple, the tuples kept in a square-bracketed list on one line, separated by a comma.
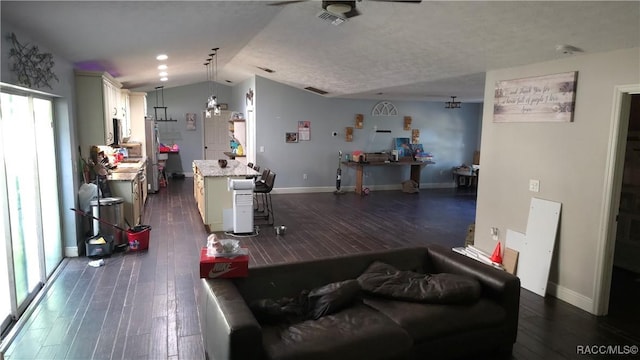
[(286, 2), (400, 1)]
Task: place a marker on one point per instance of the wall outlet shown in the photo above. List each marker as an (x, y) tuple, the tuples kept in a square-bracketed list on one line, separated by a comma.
[(304, 176), (534, 185), (494, 233)]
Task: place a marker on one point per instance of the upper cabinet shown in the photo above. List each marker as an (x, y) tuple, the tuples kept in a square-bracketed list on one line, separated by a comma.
[(97, 103), (136, 113), (124, 112)]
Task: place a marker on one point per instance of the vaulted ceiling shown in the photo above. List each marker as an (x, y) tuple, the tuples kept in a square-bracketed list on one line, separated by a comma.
[(392, 50)]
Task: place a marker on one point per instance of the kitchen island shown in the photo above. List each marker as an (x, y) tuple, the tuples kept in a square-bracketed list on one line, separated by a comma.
[(210, 189)]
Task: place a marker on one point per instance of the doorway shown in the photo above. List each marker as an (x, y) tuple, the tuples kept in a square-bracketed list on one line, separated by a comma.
[(624, 295)]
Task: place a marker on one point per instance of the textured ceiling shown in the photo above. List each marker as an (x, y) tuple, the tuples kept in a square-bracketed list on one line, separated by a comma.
[(426, 51)]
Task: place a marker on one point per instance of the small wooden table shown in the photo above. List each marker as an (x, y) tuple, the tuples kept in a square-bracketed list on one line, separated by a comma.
[(416, 168)]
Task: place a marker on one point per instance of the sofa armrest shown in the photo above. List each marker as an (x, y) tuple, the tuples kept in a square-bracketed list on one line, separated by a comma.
[(498, 285), (229, 329)]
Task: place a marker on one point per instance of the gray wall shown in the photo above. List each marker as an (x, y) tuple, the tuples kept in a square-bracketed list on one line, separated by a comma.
[(65, 129), (569, 159), (451, 135), (180, 101)]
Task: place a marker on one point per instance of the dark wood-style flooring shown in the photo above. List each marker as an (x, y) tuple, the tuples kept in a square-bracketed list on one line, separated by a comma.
[(144, 305)]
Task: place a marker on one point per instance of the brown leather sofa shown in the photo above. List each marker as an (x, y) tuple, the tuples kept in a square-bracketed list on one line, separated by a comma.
[(374, 328)]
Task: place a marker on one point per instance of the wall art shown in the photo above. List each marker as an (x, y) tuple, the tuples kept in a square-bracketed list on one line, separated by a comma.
[(304, 130), (33, 68), (548, 98), (291, 137)]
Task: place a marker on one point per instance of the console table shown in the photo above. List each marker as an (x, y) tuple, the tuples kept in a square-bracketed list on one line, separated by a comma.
[(416, 168)]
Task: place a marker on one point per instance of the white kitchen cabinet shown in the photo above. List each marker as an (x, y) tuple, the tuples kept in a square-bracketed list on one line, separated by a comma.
[(124, 112), (127, 186), (137, 114), (97, 96)]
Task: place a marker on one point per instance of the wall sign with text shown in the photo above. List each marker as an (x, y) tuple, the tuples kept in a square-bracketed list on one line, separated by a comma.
[(549, 98)]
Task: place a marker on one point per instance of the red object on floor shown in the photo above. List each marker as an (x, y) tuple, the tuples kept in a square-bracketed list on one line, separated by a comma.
[(496, 257), (220, 267), (139, 237)]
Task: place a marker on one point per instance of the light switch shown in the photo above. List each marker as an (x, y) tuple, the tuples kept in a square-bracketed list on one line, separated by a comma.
[(261, 148), (534, 185)]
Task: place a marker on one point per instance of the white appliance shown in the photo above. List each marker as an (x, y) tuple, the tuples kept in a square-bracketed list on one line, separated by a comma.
[(242, 205), (151, 148)]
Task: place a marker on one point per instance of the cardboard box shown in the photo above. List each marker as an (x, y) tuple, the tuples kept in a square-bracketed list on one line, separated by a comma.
[(221, 267)]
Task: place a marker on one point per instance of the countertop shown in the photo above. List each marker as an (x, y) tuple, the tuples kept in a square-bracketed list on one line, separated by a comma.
[(234, 168), (127, 170)]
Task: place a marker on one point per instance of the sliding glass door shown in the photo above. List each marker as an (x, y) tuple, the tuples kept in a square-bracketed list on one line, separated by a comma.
[(30, 219)]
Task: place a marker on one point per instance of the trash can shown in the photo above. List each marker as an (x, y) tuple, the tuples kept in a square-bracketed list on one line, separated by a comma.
[(111, 212)]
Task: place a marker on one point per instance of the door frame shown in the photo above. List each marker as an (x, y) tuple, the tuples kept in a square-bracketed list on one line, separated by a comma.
[(611, 194)]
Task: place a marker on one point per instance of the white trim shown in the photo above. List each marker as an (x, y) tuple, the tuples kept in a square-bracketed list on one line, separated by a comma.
[(71, 251), (610, 199), (574, 298), (347, 189)]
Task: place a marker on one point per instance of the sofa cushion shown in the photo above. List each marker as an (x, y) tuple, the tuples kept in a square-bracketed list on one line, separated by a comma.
[(357, 332), (427, 321), (333, 297), (444, 288)]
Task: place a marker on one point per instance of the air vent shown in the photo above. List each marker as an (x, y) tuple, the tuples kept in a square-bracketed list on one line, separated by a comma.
[(331, 18), (270, 71), (315, 90)]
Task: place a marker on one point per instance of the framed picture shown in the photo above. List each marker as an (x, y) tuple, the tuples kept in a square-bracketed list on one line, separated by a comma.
[(291, 137), (191, 121), (304, 130), (548, 98)]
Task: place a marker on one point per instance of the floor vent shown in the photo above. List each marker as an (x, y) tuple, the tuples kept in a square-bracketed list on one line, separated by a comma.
[(316, 90), (331, 18)]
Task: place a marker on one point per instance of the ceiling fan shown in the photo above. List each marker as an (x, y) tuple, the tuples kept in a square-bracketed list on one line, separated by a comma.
[(345, 9)]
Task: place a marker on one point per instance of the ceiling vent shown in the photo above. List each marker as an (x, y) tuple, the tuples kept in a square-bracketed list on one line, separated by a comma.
[(331, 18), (316, 90)]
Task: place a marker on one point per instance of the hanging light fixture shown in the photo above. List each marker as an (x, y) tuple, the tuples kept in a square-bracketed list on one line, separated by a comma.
[(212, 72), (453, 104)]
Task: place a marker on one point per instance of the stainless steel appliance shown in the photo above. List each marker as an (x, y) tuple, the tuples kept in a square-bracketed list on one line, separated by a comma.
[(151, 146)]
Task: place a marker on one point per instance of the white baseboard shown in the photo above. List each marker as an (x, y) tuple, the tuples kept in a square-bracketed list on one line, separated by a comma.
[(301, 190), (574, 298), (71, 251)]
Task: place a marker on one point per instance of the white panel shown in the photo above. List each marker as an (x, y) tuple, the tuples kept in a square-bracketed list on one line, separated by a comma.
[(514, 240), (535, 256)]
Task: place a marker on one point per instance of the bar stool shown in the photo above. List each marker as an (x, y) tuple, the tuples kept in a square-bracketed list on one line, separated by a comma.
[(260, 181), (264, 189), (163, 181)]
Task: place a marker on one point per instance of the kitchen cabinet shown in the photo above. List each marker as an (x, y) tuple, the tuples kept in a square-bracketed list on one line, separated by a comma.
[(127, 182), (137, 114), (97, 96), (124, 112)]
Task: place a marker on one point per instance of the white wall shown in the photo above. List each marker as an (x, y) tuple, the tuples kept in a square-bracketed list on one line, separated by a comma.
[(569, 159)]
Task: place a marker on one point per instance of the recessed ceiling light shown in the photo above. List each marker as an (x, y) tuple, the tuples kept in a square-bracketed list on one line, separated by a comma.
[(162, 67), (164, 73), (162, 57), (164, 78)]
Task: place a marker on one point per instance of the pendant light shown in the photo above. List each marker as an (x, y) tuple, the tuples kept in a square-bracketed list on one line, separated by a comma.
[(453, 104), (212, 71)]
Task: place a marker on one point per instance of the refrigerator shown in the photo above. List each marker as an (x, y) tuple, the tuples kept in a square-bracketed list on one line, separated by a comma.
[(151, 146)]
